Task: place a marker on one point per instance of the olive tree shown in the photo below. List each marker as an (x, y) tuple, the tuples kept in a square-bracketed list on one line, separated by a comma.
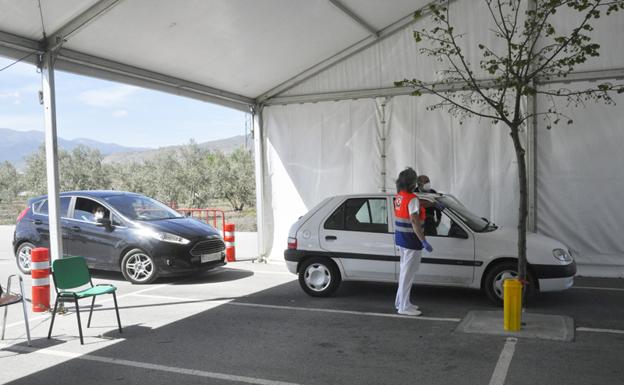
[(530, 47)]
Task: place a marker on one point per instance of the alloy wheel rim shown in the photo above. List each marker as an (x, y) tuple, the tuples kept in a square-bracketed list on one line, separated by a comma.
[(140, 267), (23, 257), (317, 277), (500, 278)]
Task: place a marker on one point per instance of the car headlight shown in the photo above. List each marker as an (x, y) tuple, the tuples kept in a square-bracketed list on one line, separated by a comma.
[(562, 255), (163, 236)]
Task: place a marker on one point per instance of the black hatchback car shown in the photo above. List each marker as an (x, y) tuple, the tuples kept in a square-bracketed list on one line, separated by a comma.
[(121, 231)]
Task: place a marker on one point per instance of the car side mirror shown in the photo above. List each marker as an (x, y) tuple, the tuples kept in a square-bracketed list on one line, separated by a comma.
[(104, 222)]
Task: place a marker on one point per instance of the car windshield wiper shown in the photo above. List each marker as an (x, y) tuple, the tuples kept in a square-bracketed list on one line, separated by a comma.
[(487, 224)]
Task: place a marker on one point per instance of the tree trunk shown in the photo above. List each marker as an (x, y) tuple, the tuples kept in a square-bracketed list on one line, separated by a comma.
[(523, 211)]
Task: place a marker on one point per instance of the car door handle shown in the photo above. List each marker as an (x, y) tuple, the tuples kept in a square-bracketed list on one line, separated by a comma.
[(37, 222), (330, 238), (76, 228)]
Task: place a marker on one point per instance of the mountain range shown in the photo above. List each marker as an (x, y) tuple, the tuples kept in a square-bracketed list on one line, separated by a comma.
[(15, 146)]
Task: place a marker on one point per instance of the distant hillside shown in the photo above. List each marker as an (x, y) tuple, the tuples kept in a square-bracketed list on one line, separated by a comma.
[(16, 145), (224, 145)]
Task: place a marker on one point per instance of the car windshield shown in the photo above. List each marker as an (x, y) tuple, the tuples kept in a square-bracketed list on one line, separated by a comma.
[(141, 208), (475, 222)]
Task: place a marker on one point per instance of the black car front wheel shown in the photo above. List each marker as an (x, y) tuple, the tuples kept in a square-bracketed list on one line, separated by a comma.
[(138, 267), (22, 257), (319, 277)]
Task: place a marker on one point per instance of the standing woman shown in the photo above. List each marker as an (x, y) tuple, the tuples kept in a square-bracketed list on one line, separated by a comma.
[(409, 237)]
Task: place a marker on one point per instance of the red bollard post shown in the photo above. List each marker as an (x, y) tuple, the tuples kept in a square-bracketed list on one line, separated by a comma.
[(228, 237), (40, 273)]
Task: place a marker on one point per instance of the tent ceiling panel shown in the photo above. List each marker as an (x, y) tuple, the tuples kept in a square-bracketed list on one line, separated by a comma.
[(238, 46), (241, 46), (22, 17)]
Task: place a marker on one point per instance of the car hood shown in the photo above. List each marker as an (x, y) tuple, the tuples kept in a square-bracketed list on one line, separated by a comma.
[(188, 228), (539, 247)]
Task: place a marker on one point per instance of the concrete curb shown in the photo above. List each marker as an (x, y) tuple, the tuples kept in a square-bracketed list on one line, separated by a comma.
[(542, 326)]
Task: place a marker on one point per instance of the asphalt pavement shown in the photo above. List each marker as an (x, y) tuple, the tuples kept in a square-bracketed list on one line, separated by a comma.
[(250, 323)]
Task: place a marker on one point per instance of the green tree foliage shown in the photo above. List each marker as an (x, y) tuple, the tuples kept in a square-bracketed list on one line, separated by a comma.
[(190, 175), (235, 176), (529, 47), (10, 182)]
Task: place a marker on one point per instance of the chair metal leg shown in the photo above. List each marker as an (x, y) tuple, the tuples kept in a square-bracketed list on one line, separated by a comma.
[(79, 324), (53, 315), (6, 308), (91, 312), (21, 283), (117, 311)]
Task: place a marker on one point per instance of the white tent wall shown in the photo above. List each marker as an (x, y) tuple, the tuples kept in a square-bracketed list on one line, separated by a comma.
[(330, 148), (315, 151), (580, 183)]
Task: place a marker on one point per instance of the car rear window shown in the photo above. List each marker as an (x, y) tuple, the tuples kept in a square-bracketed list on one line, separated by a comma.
[(360, 214), (41, 207)]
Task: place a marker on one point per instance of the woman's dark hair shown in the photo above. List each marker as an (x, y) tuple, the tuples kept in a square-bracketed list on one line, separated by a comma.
[(406, 180)]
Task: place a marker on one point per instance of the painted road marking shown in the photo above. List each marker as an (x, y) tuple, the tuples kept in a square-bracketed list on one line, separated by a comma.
[(319, 310), (145, 365), (598, 288), (504, 360), (595, 330)]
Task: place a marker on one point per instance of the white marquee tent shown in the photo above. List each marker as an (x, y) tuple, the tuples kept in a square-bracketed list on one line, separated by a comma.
[(318, 76)]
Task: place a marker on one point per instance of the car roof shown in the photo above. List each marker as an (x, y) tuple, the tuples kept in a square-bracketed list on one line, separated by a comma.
[(88, 193), (388, 194)]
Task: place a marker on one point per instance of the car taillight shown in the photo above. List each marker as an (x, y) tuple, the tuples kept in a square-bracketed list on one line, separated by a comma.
[(292, 243), (22, 214)]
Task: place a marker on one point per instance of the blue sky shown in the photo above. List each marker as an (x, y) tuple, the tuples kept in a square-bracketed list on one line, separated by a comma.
[(112, 112)]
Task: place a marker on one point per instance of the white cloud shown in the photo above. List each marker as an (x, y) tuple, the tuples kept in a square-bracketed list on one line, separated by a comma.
[(120, 113), (107, 97)]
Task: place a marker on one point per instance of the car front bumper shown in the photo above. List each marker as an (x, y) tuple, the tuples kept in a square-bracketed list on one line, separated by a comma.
[(555, 277)]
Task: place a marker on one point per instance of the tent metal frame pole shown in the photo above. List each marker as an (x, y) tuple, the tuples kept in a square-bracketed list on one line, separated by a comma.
[(260, 160), (51, 147), (531, 154), (338, 4), (617, 73)]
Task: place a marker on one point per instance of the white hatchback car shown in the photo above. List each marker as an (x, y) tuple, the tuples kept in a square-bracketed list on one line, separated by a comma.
[(352, 238)]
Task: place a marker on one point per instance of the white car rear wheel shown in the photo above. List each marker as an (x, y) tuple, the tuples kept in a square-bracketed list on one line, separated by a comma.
[(319, 277)]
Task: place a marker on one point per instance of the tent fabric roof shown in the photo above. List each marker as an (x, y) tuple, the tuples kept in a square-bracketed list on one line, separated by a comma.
[(230, 51)]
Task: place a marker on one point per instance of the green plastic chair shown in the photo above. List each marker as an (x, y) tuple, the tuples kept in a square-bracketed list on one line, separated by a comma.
[(73, 273)]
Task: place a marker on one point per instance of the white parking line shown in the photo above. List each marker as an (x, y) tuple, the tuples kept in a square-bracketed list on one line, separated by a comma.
[(319, 310), (48, 315), (598, 288), (145, 365), (595, 330), (504, 360)]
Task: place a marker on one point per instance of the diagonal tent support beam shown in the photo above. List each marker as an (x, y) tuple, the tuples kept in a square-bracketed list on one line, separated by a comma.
[(354, 16), (346, 53), (79, 22)]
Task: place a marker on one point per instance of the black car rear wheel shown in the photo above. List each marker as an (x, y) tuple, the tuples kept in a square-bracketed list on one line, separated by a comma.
[(138, 267), (22, 257)]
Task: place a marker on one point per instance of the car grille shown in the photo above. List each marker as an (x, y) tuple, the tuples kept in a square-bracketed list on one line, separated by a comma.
[(209, 246)]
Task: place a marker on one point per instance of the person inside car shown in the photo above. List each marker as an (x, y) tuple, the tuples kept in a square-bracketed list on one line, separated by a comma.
[(433, 215)]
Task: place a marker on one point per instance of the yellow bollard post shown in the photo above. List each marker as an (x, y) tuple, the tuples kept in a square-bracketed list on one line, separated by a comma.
[(512, 304)]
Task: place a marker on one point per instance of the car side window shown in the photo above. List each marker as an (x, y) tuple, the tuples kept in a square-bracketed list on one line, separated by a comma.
[(86, 209), (449, 228), (360, 214), (42, 207)]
